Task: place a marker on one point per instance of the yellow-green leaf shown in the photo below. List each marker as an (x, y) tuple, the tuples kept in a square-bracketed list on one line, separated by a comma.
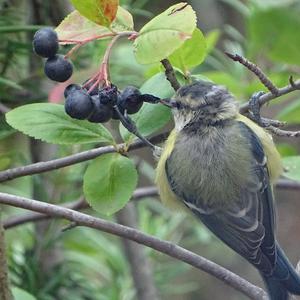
[(191, 53), (160, 37)]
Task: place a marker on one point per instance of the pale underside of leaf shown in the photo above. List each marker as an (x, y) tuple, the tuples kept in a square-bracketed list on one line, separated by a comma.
[(77, 28)]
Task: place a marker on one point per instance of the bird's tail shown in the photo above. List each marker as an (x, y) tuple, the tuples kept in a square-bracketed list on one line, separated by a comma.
[(284, 279)]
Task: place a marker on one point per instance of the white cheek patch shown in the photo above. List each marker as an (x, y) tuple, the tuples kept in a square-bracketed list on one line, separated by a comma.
[(180, 120)]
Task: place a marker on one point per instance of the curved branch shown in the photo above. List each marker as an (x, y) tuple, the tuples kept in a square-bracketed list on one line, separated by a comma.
[(235, 281), (80, 204)]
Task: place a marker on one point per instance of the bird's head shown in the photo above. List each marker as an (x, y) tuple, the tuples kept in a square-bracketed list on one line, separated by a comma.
[(203, 103)]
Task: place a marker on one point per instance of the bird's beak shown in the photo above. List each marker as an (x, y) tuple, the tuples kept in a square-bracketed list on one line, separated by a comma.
[(166, 102)]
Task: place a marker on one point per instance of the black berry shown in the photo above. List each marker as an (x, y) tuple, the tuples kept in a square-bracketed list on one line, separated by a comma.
[(58, 68), (45, 42), (101, 112), (71, 88), (78, 104), (109, 95), (130, 100)]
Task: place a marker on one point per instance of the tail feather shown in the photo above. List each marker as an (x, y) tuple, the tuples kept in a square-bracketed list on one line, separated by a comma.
[(292, 282), (284, 279), (275, 289)]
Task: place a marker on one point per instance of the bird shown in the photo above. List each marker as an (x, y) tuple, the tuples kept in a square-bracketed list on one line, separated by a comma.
[(220, 166)]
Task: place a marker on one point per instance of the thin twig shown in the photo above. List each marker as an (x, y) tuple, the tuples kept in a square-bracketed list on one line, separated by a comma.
[(235, 281), (55, 164), (170, 74), (269, 96), (256, 70), (28, 217), (281, 132), (80, 204)]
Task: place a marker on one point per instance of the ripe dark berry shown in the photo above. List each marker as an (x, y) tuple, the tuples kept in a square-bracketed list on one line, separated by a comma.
[(109, 95), (58, 68), (78, 104), (45, 42), (130, 100), (70, 88), (101, 112)]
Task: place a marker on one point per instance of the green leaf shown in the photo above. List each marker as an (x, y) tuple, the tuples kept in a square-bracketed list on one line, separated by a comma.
[(151, 117), (285, 149), (292, 166), (78, 28), (102, 12), (291, 113), (191, 53), (211, 39), (20, 294), (165, 33), (109, 182), (271, 32), (50, 123)]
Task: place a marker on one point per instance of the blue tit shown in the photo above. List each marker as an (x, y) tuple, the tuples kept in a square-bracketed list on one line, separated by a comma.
[(220, 166)]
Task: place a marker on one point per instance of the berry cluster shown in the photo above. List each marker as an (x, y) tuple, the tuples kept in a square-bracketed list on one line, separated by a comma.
[(45, 44), (99, 106), (89, 101)]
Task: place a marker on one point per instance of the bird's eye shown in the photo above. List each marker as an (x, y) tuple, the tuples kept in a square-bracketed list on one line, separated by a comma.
[(175, 104)]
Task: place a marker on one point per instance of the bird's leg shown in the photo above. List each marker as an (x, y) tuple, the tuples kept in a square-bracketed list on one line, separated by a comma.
[(254, 112), (129, 124)]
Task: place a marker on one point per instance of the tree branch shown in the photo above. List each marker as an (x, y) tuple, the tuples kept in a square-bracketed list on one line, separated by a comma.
[(55, 164), (235, 281), (80, 204), (256, 70), (170, 74), (140, 193), (269, 96)]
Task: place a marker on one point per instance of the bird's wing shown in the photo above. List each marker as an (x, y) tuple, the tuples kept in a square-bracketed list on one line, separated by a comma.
[(247, 226)]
